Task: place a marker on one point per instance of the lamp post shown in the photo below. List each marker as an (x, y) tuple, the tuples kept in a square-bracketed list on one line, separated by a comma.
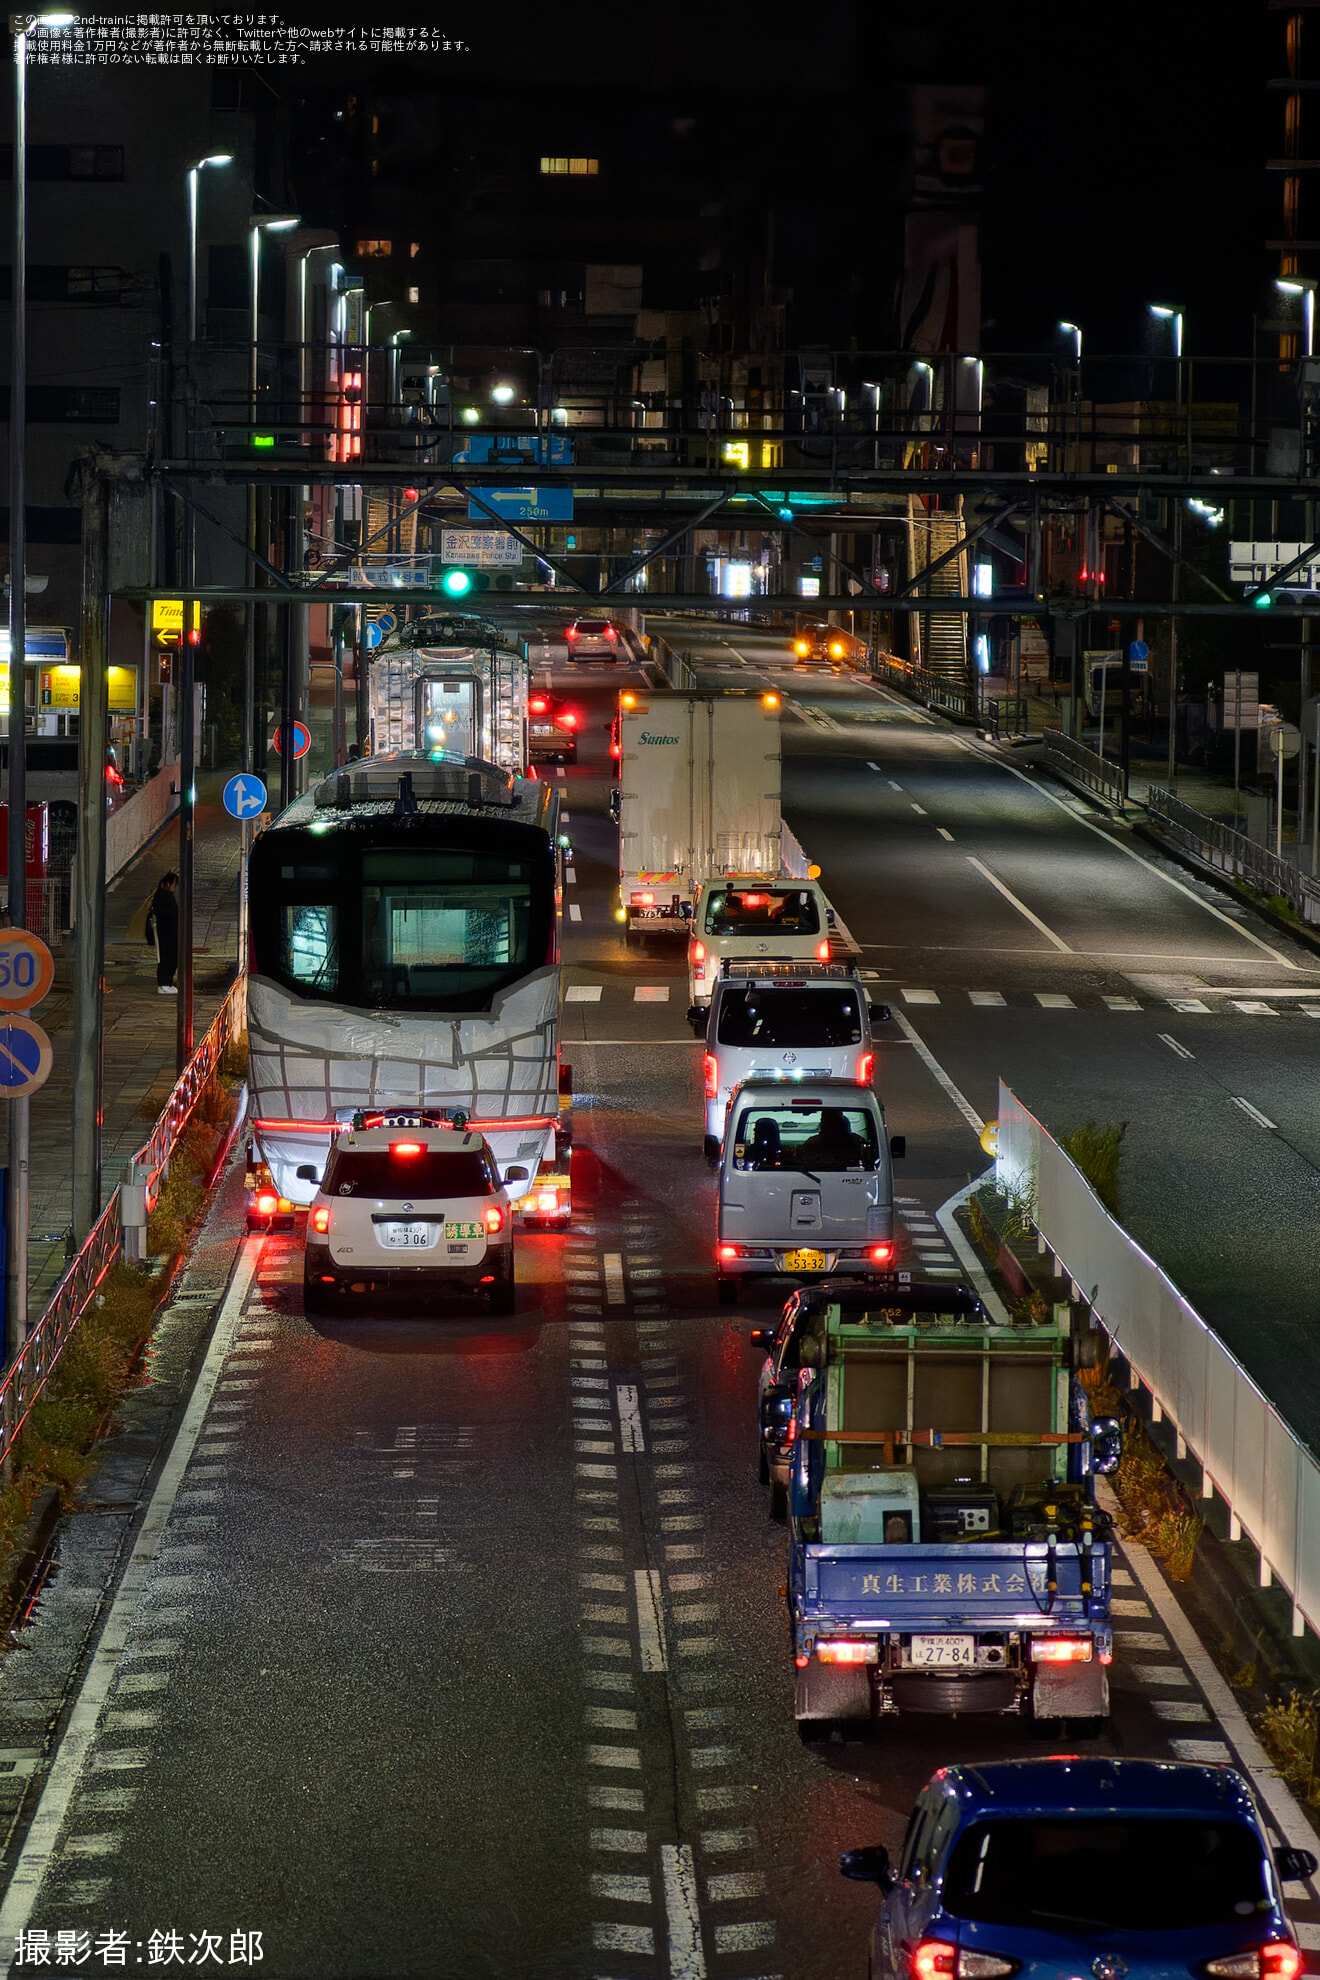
[(193, 174), (1074, 330), (16, 1179), (259, 224), (1168, 313), (1301, 285)]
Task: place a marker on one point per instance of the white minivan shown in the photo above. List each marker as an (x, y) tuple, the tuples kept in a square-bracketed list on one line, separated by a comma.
[(806, 1184), (752, 919), (785, 1021)]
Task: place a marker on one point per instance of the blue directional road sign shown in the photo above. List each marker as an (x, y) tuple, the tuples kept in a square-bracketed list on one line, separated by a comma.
[(1139, 656), (245, 797), (523, 504), (25, 1057)]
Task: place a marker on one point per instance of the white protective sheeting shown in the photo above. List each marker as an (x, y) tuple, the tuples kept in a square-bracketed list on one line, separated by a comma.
[(1259, 1466)]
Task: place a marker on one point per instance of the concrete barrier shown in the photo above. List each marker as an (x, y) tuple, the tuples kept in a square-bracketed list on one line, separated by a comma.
[(139, 818)]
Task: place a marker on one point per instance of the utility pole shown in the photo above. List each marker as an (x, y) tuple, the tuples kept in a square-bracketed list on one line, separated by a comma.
[(183, 1029), (16, 1175), (95, 473)]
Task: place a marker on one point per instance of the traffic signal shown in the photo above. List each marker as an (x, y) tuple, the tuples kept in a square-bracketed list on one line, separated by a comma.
[(461, 582)]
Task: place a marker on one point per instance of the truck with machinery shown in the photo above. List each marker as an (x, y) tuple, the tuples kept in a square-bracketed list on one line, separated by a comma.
[(698, 796), (946, 1553)]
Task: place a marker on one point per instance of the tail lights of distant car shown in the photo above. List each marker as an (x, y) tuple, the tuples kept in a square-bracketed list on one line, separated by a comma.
[(1279, 1960), (845, 1650), (865, 1068), (610, 633), (321, 1218), (880, 1254), (699, 954), (802, 648), (268, 1203), (710, 1067), (569, 720), (1062, 1649), (538, 704), (494, 1220), (932, 1957), (405, 1149), (836, 650), (570, 632), (724, 1252)]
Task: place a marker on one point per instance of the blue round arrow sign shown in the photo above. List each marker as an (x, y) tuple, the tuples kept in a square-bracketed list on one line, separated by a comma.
[(1139, 650), (245, 797)]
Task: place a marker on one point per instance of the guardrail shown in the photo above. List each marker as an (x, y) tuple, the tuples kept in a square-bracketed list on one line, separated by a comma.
[(931, 690), (1084, 767), (1005, 715), (117, 1230), (1231, 852), (1248, 1454)]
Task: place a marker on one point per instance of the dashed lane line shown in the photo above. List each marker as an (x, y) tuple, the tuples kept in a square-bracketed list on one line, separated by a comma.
[(650, 1619), (1021, 906)]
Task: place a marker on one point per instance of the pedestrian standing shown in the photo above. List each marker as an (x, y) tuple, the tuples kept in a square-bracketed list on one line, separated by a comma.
[(163, 929)]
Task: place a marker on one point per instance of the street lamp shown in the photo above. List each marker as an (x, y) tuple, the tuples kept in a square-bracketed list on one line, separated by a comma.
[(192, 175), (1074, 331), (16, 1181), (259, 224), (1174, 318), (1303, 286), (393, 387)]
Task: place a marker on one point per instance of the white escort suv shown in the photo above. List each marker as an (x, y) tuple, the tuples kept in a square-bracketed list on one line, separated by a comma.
[(412, 1207)]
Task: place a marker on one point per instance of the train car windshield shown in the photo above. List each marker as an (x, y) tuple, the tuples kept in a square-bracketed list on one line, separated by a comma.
[(401, 927)]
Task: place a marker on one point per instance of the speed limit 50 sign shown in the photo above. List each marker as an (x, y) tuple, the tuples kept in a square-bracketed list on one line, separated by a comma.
[(27, 969)]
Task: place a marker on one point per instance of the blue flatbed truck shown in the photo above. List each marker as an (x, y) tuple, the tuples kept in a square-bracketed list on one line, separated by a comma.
[(946, 1553)]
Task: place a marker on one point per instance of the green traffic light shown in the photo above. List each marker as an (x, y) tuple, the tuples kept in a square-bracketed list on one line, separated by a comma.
[(263, 439), (1263, 601), (456, 583)]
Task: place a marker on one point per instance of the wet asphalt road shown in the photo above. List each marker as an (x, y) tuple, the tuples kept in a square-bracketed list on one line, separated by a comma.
[(463, 1653)]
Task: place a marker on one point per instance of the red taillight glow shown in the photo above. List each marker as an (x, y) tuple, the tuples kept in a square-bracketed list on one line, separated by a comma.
[(568, 721), (880, 1254), (494, 1219), (571, 633), (1279, 1960), (645, 900), (268, 1203), (547, 1199), (615, 749), (753, 900), (841, 1651), (931, 1957), (538, 704), (698, 952), (711, 1073), (801, 647), (610, 633), (405, 1148), (321, 1218), (823, 950), (1062, 1649), (726, 1251), (865, 1068)]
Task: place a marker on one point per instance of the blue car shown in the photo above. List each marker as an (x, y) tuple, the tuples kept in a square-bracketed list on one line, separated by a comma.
[(1068, 1867)]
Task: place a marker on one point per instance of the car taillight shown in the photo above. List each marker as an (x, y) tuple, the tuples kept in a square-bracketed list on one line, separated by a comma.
[(823, 950), (1062, 1649), (321, 1218), (880, 1254), (1279, 1960), (610, 633), (645, 900), (547, 1199), (268, 1203), (842, 1650), (836, 651), (539, 705), (801, 647), (865, 1068), (571, 633), (568, 721), (407, 1149), (699, 952), (711, 1072), (615, 750), (929, 1957), (725, 1251), (494, 1219)]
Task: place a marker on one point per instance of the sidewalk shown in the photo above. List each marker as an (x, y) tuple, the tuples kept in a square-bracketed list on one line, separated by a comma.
[(139, 1024)]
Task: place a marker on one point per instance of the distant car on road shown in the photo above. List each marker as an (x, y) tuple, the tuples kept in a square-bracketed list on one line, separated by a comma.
[(1033, 1866), (594, 639), (828, 646), (408, 1205), (552, 728)]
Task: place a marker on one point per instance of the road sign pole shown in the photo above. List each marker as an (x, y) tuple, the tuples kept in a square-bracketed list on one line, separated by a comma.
[(183, 1029), (96, 471), (16, 1181)]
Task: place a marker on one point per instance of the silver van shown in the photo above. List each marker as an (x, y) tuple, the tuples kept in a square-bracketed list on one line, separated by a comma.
[(788, 1021), (806, 1184)]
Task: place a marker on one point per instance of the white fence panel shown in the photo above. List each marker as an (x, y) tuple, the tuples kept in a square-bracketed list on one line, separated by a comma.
[(139, 817), (1267, 1477)]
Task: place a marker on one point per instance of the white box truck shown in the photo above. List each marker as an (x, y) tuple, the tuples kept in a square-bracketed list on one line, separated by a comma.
[(699, 781)]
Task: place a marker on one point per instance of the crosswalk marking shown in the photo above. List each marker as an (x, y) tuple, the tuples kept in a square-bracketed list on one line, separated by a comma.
[(1054, 1000), (1122, 1004), (987, 999), (583, 993), (921, 996)]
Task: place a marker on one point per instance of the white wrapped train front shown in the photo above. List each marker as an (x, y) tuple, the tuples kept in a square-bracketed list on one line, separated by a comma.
[(313, 1066)]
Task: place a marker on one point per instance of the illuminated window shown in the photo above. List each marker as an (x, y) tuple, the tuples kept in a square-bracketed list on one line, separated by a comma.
[(737, 453), (577, 168), (414, 295), (374, 250)]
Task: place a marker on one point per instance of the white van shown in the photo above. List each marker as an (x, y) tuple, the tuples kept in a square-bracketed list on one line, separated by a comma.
[(806, 1184), (785, 1021), (747, 918)]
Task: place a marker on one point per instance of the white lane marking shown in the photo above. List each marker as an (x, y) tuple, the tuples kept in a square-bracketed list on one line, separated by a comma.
[(1170, 1674), (718, 1842), (628, 1842), (893, 786), (745, 1938), (1190, 1005), (574, 912), (559, 770), (987, 1000), (628, 1800), (873, 766), (623, 1938), (1257, 990), (617, 1888), (583, 993), (920, 810), (687, 1958), (731, 1884), (943, 834), (630, 1421), (570, 876), (1054, 1000), (1121, 1004), (1252, 1007), (651, 993), (920, 996), (615, 1756), (1261, 1120), (1180, 1711), (1140, 1639), (1021, 906), (650, 1620), (1174, 1046), (937, 1072), (1129, 853), (1310, 1010), (1129, 1607), (73, 1752), (613, 1263)]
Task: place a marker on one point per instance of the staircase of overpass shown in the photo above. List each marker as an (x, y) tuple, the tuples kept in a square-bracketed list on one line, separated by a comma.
[(939, 639)]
